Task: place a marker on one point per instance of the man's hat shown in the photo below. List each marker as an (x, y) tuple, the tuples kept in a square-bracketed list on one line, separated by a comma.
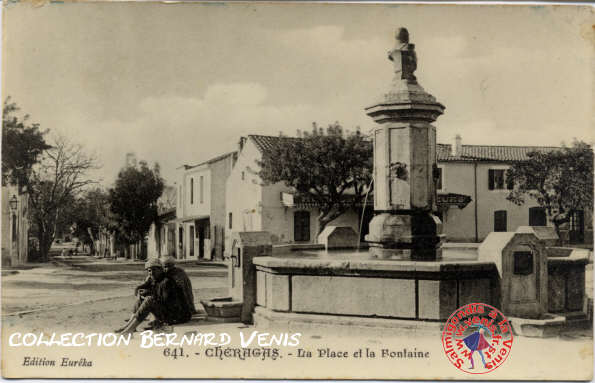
[(153, 262)]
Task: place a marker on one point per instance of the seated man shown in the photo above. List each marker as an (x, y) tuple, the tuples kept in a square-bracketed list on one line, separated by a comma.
[(165, 300), (181, 279)]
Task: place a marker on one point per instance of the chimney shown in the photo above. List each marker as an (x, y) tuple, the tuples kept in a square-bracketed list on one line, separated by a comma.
[(299, 133), (458, 145), (280, 133), (241, 144), (314, 129), (131, 160)]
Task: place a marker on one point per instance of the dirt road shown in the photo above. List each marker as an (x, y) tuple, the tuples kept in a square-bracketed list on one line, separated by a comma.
[(84, 293)]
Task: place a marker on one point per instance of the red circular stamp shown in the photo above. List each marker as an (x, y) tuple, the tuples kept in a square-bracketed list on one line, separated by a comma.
[(477, 338)]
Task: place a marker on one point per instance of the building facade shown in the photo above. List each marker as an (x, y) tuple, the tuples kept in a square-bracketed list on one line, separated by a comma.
[(479, 172), (15, 225), (471, 197), (162, 233), (200, 208), (255, 206)]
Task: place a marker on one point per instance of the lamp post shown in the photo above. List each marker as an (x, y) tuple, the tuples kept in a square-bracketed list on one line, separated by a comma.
[(13, 204)]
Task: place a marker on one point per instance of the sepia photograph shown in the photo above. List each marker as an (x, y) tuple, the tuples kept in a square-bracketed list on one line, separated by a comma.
[(300, 190)]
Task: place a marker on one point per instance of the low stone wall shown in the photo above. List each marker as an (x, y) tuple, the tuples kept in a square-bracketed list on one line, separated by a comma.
[(566, 281), (373, 288)]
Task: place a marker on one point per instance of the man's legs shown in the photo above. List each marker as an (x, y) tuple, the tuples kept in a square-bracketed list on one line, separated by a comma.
[(148, 305), (135, 308)]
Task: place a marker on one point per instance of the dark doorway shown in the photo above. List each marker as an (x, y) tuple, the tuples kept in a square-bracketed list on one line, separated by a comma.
[(576, 227), (181, 243), (191, 241), (201, 242), (500, 220), (537, 216), (171, 236), (301, 226)]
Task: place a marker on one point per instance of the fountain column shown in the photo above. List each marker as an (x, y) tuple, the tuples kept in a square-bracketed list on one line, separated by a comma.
[(405, 164)]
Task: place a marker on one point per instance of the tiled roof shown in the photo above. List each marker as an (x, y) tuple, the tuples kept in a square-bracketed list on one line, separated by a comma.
[(443, 151), (489, 152), (212, 160), (264, 143)]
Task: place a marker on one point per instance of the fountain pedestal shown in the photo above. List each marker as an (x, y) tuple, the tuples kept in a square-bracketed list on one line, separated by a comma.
[(405, 165)]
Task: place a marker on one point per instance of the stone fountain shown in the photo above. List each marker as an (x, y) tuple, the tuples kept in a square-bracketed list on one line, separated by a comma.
[(406, 280), (405, 164)]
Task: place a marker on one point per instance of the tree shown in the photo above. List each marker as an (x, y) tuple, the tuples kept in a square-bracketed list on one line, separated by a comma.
[(22, 143), (561, 181), (89, 216), (53, 185), (331, 170), (133, 201)]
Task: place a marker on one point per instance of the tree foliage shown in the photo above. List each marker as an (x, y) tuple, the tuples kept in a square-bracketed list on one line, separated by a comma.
[(22, 144), (561, 181), (133, 200), (331, 170), (90, 215), (54, 185)]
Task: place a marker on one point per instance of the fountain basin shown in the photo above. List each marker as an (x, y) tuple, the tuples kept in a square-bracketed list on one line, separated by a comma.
[(359, 285), (549, 325)]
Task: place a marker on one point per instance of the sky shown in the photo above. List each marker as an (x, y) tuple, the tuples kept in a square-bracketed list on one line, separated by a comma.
[(181, 83)]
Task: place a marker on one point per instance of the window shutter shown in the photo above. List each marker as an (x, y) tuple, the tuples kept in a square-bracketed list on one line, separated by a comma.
[(491, 179)]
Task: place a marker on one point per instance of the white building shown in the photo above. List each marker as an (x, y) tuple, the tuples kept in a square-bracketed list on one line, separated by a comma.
[(162, 233), (471, 197), (200, 208), (15, 225), (254, 206), (479, 172)]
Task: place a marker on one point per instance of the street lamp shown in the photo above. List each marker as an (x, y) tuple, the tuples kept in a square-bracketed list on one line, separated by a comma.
[(13, 202)]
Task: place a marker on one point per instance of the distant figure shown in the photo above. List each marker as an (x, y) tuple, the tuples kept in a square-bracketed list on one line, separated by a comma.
[(477, 342), (165, 300), (181, 279)]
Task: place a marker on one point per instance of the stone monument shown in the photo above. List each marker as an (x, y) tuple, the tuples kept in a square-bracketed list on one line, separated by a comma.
[(405, 164)]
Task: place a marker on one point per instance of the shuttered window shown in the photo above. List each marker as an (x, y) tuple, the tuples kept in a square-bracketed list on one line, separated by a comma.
[(191, 191)]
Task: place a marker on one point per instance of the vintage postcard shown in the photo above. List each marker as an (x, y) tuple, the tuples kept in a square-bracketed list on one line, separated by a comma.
[(297, 191)]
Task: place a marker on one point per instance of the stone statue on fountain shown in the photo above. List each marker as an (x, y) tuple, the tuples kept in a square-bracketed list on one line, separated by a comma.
[(403, 56)]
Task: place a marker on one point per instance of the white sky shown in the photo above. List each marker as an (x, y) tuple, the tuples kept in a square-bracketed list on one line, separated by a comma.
[(179, 83)]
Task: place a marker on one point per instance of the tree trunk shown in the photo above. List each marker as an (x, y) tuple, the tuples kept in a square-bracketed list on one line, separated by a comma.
[(45, 244), (93, 240)]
